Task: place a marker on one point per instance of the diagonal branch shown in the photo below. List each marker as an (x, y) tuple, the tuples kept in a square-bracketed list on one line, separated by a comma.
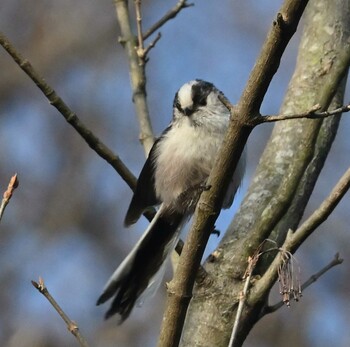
[(172, 13), (295, 239), (72, 326), (210, 202), (321, 214), (92, 140), (151, 45), (97, 145)]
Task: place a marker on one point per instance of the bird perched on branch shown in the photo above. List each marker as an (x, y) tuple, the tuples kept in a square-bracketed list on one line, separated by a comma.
[(173, 177)]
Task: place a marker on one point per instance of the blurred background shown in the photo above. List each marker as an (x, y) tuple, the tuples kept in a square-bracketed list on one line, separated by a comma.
[(65, 221)]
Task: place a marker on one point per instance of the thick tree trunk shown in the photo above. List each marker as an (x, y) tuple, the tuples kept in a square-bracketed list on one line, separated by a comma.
[(287, 173)]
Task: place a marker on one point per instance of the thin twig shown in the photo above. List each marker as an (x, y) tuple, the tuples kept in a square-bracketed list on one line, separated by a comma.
[(172, 13), (295, 239), (13, 184), (151, 45), (72, 326), (312, 279), (290, 284), (139, 50), (252, 261), (311, 114), (93, 141), (322, 213), (336, 261), (240, 310), (137, 74), (248, 275), (97, 145)]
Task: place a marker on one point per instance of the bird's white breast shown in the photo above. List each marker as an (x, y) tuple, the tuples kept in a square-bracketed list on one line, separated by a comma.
[(184, 159)]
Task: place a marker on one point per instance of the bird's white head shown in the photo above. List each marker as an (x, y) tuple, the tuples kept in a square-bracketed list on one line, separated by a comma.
[(198, 102)]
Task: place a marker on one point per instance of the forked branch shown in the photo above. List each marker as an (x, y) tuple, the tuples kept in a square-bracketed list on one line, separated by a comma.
[(210, 202), (295, 239), (92, 140)]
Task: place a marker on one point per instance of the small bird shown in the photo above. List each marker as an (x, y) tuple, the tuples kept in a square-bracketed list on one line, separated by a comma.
[(173, 177)]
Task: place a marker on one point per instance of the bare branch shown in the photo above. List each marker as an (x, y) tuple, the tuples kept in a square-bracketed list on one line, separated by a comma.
[(311, 114), (13, 184), (137, 73), (93, 141), (169, 15), (210, 203), (335, 261), (322, 213), (97, 145), (139, 49), (286, 277), (248, 275), (151, 45), (72, 326), (295, 239)]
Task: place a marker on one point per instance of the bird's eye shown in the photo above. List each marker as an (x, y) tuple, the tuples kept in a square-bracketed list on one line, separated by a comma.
[(202, 102), (178, 106), (199, 99)]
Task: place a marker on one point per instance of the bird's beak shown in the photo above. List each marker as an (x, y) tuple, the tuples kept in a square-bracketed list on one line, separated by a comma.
[(188, 111)]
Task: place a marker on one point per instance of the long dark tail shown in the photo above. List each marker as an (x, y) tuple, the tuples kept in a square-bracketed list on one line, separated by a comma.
[(141, 272)]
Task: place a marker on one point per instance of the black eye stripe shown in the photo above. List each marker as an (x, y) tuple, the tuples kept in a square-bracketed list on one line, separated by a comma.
[(200, 92), (176, 102), (202, 102)]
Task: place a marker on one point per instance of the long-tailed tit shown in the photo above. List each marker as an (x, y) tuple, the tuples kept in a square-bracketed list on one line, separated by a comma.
[(173, 177)]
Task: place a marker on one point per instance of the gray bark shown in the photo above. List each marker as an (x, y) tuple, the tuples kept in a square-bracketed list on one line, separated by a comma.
[(287, 173)]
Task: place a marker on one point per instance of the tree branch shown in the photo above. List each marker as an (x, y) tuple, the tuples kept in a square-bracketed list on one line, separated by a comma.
[(13, 184), (172, 13), (139, 49), (321, 214), (243, 296), (299, 168), (311, 114), (72, 326), (295, 239), (97, 145), (93, 141), (210, 202), (151, 45), (137, 74)]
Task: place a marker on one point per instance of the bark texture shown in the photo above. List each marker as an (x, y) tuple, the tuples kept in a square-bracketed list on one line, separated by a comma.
[(286, 175)]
